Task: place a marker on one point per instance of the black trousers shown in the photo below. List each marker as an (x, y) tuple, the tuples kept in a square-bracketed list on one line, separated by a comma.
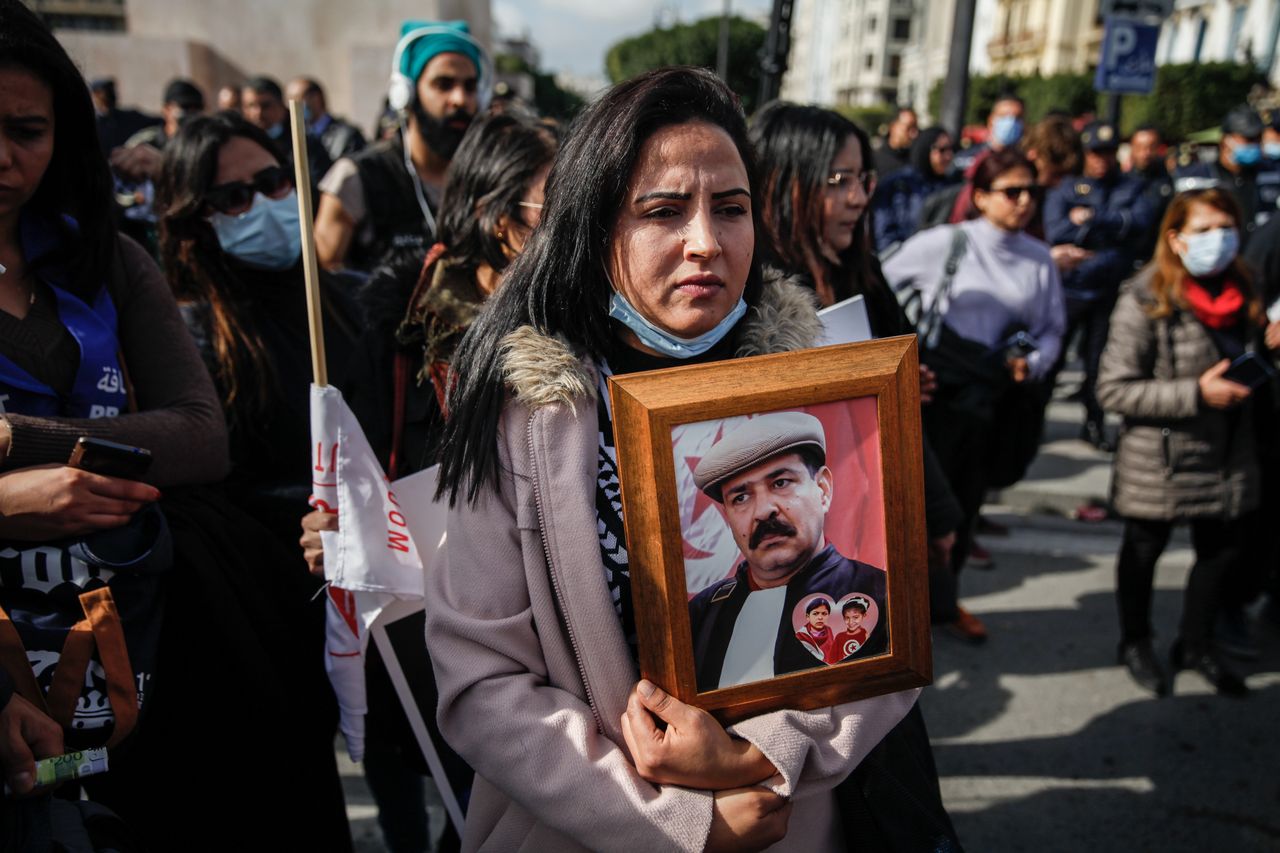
[(1090, 319), (959, 440), (1217, 548)]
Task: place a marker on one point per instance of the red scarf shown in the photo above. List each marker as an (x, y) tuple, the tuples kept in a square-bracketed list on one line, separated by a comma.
[(1223, 311)]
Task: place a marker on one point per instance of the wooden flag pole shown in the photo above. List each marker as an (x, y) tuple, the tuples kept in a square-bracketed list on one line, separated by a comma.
[(310, 266)]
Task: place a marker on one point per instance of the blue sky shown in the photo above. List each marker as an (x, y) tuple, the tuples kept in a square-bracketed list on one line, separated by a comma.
[(573, 35)]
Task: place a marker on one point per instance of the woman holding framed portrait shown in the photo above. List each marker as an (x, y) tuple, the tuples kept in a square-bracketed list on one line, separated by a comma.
[(645, 258)]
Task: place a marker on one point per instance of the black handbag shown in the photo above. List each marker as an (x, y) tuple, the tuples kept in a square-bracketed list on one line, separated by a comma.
[(974, 379)]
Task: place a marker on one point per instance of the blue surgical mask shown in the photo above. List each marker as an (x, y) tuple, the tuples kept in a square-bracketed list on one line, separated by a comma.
[(276, 130), (662, 341), (1271, 150), (264, 236), (1007, 130), (1210, 252), (1246, 154)]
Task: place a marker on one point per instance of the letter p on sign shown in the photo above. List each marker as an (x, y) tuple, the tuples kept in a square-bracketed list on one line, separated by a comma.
[(1121, 40)]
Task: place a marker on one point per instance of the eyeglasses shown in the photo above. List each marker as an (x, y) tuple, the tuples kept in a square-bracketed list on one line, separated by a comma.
[(944, 149), (235, 198), (531, 204), (1013, 194), (840, 177)]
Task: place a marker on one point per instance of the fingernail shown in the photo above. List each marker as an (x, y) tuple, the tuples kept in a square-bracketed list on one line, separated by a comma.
[(646, 687), (20, 782)]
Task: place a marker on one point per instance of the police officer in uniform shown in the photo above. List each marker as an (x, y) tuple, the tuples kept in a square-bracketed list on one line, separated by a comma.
[(1240, 169), (1146, 163), (1106, 212), (383, 199)]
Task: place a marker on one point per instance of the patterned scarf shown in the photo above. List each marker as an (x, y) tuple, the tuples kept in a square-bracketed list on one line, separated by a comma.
[(613, 537)]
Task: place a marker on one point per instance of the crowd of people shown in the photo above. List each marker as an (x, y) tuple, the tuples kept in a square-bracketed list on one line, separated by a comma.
[(483, 271)]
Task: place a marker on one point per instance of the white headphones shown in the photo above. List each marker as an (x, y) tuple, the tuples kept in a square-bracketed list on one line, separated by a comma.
[(401, 90)]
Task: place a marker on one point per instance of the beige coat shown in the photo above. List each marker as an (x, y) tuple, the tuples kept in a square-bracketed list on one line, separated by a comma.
[(1177, 458), (531, 663)]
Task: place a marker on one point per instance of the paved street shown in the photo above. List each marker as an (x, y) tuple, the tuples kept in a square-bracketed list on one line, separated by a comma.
[(1042, 741)]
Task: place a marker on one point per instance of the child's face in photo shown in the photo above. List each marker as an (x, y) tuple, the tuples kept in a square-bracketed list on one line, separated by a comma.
[(818, 617), (852, 618)]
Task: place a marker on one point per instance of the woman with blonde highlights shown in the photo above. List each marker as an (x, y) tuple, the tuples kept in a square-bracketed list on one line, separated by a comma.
[(1186, 452)]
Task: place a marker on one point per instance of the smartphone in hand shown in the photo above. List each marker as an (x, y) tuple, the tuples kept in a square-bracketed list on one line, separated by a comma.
[(110, 458), (1250, 370)]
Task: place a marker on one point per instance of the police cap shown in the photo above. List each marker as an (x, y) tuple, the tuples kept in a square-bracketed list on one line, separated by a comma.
[(1244, 121), (1100, 136)]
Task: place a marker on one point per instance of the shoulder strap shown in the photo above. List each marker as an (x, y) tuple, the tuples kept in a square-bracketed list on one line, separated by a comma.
[(930, 326)]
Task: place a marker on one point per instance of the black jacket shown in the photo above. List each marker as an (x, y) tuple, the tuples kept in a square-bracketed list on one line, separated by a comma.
[(714, 612)]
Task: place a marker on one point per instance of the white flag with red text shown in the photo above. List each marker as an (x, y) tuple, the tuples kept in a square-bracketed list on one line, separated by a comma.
[(372, 559)]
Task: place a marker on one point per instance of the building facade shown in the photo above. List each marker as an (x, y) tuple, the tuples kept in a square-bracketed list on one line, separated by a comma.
[(847, 52), (101, 15), (1045, 37), (347, 47), (925, 57), (1223, 31)]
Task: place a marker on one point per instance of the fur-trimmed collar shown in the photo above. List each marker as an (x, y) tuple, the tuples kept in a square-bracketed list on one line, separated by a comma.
[(541, 370)]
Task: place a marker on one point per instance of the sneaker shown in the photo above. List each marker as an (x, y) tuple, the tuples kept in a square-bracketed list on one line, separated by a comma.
[(1234, 635), (979, 557), (967, 627)]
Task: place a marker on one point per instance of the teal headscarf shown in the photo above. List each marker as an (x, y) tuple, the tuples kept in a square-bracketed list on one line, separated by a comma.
[(421, 50)]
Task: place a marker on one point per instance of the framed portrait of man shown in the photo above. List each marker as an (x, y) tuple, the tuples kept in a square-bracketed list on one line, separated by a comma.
[(774, 512)]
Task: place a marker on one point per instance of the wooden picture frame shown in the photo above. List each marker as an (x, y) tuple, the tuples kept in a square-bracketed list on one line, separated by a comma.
[(880, 376)]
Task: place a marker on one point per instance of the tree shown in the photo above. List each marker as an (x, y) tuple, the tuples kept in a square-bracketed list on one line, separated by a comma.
[(1187, 97), (694, 44)]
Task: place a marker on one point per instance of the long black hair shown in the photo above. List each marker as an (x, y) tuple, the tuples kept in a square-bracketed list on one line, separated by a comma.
[(488, 176), (196, 265), (922, 149), (558, 285), (78, 182), (795, 146)]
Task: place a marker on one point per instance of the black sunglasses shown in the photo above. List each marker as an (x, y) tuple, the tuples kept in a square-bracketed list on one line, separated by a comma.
[(1015, 193), (237, 197)]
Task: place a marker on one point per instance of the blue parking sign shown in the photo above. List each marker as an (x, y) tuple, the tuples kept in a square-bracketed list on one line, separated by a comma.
[(1128, 63)]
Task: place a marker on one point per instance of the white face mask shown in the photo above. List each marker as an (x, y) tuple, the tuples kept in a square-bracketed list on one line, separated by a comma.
[(1209, 252), (662, 341), (266, 235)]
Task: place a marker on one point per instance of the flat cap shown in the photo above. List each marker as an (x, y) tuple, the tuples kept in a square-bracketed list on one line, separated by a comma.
[(755, 441), (1099, 136), (1244, 121)]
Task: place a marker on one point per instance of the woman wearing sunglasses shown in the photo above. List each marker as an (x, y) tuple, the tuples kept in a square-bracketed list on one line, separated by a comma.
[(92, 344), (991, 318), (230, 242)]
